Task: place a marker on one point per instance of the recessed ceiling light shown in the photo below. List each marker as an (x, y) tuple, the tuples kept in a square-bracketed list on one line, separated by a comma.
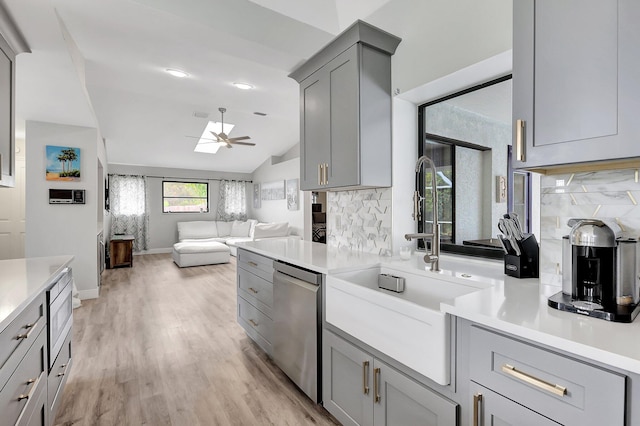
[(177, 73), (243, 86)]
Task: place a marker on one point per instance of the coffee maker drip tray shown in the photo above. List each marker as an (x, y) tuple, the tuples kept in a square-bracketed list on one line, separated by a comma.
[(617, 313)]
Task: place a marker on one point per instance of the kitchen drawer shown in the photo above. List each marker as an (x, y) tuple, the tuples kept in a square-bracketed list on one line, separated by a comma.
[(58, 376), (17, 396), (19, 335), (260, 265), (535, 377), (35, 413), (256, 290), (257, 325)]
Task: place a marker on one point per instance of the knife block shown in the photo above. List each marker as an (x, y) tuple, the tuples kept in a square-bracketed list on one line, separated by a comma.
[(525, 265)]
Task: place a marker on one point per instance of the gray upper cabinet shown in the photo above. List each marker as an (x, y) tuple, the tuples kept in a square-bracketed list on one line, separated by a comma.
[(575, 85), (7, 107), (345, 111)]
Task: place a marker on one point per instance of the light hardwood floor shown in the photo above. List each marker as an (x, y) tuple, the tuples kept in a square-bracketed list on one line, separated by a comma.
[(161, 346)]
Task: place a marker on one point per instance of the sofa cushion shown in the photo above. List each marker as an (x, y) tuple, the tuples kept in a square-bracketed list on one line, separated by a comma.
[(224, 228), (240, 228), (267, 230), (200, 247), (197, 229)]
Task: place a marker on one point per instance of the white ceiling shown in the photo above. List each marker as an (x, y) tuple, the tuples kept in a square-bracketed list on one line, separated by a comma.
[(146, 115)]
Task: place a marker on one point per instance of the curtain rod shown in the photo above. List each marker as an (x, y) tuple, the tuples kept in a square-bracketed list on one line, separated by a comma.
[(187, 178)]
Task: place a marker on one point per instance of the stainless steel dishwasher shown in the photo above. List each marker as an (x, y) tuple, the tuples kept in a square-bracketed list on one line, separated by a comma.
[(297, 320)]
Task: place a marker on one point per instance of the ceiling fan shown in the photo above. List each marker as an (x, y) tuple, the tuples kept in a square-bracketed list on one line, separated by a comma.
[(222, 137)]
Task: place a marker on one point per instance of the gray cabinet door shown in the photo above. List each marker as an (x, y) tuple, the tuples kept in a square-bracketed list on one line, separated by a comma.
[(493, 409), (314, 128), (574, 64), (7, 105), (399, 400), (347, 385), (344, 141)]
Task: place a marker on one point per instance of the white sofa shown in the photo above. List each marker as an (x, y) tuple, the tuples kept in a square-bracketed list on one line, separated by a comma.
[(196, 239)]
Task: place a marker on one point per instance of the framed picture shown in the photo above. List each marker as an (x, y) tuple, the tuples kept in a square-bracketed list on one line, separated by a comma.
[(256, 196), (62, 163), (293, 194), (273, 190)]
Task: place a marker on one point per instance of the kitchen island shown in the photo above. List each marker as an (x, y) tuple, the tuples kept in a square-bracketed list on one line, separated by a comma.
[(35, 337), (510, 314)]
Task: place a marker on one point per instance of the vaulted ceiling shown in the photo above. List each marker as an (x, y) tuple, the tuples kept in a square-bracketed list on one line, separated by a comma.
[(120, 50)]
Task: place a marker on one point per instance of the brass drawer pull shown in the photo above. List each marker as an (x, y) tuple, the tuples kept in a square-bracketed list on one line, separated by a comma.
[(376, 384), (33, 388), (253, 290), (365, 374), (477, 401), (26, 335), (255, 324), (539, 383)]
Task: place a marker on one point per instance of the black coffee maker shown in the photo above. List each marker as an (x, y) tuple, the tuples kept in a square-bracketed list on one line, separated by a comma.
[(599, 272)]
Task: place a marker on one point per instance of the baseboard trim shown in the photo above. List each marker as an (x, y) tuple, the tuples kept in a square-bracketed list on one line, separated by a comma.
[(154, 251), (89, 294)]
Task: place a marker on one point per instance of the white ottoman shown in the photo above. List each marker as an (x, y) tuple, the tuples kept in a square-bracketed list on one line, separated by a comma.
[(200, 253)]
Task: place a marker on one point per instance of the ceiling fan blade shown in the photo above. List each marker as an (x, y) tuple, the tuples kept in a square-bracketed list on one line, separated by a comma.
[(229, 145), (243, 143), (239, 138), (201, 138)]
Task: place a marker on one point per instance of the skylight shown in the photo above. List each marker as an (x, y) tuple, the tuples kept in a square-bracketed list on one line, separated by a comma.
[(207, 142)]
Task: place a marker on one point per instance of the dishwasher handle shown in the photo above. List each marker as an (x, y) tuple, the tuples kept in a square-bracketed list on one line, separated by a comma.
[(283, 279), (305, 275)]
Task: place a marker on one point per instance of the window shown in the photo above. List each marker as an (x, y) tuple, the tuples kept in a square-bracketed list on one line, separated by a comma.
[(185, 197), (467, 135)]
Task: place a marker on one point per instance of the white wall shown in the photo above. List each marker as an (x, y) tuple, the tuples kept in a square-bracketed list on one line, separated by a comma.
[(276, 210), (163, 228), (53, 230), (442, 36)]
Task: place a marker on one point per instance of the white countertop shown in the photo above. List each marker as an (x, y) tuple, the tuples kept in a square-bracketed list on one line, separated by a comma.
[(310, 255), (21, 280), (515, 306)]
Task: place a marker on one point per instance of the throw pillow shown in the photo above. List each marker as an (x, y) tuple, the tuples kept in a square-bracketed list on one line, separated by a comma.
[(240, 228), (224, 228), (269, 230)]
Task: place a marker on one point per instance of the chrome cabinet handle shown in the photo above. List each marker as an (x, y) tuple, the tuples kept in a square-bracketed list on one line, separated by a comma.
[(319, 174), (33, 388), (365, 374), (376, 384), (255, 324), (26, 335), (532, 380), (520, 140), (477, 401)]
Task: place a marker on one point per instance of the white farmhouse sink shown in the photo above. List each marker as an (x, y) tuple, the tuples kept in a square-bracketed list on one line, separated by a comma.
[(408, 326)]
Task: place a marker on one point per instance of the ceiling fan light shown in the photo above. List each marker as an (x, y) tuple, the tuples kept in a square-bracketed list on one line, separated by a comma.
[(243, 86), (176, 72)]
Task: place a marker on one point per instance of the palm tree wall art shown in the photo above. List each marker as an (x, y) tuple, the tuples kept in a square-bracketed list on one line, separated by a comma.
[(63, 163)]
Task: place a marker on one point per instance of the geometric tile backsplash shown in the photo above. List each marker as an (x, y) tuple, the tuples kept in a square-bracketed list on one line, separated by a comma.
[(599, 194), (360, 220)]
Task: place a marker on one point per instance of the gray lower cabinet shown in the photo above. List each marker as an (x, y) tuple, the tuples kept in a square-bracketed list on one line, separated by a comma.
[(359, 389), (544, 382), (490, 408), (575, 85), (255, 297)]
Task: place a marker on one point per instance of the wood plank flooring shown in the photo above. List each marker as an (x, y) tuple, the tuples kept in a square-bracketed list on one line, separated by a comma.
[(161, 346)]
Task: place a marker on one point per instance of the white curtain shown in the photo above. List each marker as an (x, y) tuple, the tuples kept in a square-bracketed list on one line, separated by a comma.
[(232, 204), (128, 197)]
